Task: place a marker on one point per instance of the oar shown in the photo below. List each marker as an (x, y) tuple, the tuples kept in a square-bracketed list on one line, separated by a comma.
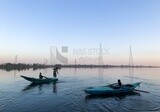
[(45, 77), (141, 91)]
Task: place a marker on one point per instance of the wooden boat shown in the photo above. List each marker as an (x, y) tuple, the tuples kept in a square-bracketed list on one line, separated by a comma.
[(39, 81), (111, 89)]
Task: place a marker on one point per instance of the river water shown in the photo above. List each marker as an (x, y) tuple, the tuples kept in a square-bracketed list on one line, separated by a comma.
[(67, 95)]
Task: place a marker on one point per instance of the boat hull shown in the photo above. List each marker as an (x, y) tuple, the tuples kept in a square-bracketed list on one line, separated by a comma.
[(39, 81)]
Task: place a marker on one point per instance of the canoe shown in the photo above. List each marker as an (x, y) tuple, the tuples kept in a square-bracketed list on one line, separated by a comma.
[(113, 89), (39, 81)]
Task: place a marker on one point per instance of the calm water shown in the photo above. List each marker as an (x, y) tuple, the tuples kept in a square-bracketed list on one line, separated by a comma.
[(17, 95)]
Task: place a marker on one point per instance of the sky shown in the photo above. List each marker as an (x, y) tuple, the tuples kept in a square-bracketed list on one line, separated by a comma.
[(29, 27)]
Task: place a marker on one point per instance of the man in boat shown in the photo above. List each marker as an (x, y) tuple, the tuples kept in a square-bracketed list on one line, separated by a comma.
[(115, 85), (40, 76), (55, 72), (119, 82)]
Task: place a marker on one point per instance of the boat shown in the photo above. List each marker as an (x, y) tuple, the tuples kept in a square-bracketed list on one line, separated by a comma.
[(112, 89), (40, 81)]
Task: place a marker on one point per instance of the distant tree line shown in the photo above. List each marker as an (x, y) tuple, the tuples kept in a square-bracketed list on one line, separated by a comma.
[(106, 66), (35, 66), (21, 66)]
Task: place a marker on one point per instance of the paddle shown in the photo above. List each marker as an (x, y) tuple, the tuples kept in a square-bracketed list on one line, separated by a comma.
[(141, 91), (45, 77)]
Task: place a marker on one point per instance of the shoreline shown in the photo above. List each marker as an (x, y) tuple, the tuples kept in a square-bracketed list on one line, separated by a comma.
[(35, 66)]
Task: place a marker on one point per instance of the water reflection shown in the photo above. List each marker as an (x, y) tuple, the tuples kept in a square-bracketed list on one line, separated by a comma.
[(54, 87), (100, 72), (131, 74), (40, 86), (71, 95), (119, 96), (44, 71), (15, 74), (75, 71)]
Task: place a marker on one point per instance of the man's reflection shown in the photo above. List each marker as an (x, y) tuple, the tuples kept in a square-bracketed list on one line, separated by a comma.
[(40, 87), (54, 87)]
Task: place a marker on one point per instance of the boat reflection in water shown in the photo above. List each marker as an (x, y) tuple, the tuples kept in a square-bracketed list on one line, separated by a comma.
[(40, 86), (119, 96)]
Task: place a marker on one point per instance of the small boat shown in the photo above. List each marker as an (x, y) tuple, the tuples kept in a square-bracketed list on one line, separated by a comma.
[(39, 81), (112, 89)]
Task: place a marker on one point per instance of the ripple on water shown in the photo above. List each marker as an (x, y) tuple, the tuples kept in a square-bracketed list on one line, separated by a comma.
[(140, 105)]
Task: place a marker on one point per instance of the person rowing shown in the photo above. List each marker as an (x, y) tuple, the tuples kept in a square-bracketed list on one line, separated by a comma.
[(41, 76), (116, 85), (119, 82)]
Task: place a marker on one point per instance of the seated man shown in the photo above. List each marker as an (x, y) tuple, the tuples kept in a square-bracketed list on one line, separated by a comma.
[(40, 76), (116, 85), (119, 82)]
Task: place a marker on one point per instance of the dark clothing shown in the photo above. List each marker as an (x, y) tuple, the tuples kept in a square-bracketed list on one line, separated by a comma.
[(119, 83), (40, 76), (55, 71)]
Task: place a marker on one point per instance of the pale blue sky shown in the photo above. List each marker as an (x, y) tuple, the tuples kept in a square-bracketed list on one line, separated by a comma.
[(29, 27)]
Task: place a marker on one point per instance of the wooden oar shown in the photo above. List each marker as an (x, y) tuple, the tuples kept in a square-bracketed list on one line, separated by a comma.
[(45, 77), (141, 91)]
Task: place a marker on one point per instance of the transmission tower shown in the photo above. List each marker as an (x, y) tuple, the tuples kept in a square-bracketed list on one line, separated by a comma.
[(131, 58), (100, 55)]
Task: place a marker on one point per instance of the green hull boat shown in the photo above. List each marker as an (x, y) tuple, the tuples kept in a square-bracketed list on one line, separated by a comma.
[(39, 81), (113, 89)]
